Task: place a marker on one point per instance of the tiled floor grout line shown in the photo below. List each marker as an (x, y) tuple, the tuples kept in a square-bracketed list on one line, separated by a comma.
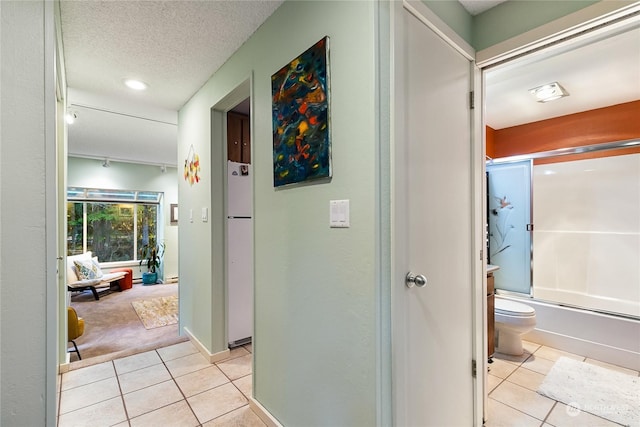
[(518, 410), (124, 405), (555, 403), (173, 378), (186, 400)]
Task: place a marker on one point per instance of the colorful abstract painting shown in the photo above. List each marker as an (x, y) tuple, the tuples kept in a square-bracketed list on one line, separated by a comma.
[(300, 115), (192, 167)]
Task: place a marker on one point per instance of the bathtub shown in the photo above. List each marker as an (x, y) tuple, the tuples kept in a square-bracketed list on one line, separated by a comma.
[(609, 338), (627, 308)]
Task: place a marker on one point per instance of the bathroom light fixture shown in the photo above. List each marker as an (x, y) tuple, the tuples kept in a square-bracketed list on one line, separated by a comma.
[(70, 117), (548, 92), (135, 84), (106, 163)]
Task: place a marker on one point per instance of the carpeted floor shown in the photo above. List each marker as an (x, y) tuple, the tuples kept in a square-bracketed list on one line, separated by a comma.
[(113, 329)]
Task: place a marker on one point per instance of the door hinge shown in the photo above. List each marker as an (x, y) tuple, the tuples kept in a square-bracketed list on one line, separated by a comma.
[(529, 227), (472, 100), (474, 368), (481, 255)]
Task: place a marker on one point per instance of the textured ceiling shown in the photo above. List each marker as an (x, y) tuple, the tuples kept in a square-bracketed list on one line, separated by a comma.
[(173, 46)]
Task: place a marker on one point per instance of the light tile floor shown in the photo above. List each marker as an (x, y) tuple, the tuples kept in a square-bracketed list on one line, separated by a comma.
[(176, 386), (172, 386), (512, 385)]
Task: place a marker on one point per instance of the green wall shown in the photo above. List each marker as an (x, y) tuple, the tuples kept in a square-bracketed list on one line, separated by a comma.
[(503, 21), (314, 286), (455, 16), (512, 18)]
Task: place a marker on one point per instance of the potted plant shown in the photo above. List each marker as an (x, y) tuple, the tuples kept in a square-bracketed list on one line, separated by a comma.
[(151, 256)]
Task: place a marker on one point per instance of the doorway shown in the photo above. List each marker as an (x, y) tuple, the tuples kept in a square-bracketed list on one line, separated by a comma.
[(570, 137), (235, 259), (239, 231)]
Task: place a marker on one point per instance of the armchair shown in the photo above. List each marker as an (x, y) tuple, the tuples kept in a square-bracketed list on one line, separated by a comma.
[(75, 328)]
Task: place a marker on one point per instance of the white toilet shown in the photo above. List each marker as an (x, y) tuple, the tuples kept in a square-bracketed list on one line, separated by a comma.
[(512, 320)]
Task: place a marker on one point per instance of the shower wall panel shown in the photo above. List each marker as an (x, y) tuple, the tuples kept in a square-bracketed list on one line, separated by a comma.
[(587, 233)]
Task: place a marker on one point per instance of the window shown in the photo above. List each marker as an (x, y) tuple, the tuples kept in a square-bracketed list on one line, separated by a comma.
[(111, 224)]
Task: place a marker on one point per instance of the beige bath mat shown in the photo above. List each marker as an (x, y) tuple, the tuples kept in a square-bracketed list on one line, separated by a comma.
[(608, 394)]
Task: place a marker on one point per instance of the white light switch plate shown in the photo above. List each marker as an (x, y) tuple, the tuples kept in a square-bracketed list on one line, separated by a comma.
[(205, 214), (190, 215), (339, 213)]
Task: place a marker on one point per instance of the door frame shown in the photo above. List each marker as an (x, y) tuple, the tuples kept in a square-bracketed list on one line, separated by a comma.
[(219, 111), (400, 196), (577, 24)]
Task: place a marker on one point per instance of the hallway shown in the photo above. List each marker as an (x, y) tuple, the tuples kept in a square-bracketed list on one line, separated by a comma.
[(170, 386)]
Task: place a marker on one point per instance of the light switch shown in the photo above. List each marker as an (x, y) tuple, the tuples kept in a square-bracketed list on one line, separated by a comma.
[(339, 213), (205, 214), (190, 215)]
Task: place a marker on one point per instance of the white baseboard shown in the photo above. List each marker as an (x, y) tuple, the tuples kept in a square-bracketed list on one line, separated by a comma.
[(593, 350), (211, 357), (66, 365), (264, 415)]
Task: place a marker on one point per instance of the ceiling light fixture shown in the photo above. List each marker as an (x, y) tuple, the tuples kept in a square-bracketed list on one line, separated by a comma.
[(106, 163), (548, 92), (70, 117), (135, 84)]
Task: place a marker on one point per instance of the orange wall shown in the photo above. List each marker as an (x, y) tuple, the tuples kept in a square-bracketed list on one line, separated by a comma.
[(490, 139), (615, 123)]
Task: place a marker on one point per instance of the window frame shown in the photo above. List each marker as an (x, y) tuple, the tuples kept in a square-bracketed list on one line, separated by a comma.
[(131, 197)]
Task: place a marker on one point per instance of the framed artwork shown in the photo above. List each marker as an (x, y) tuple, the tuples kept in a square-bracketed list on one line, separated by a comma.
[(192, 167), (174, 213), (301, 120)]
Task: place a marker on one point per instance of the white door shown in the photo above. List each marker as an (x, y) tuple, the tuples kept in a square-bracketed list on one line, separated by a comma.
[(433, 325)]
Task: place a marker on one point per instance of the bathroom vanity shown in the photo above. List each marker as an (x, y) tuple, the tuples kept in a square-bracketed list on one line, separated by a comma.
[(490, 311)]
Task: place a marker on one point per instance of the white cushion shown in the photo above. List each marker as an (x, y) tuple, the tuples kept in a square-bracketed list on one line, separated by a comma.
[(110, 277), (72, 277), (87, 269), (83, 283)]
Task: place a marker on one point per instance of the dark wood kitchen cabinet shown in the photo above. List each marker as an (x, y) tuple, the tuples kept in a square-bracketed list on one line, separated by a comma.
[(238, 138)]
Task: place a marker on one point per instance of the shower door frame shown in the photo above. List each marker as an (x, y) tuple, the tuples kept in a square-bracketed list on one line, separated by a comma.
[(504, 161), (593, 148)]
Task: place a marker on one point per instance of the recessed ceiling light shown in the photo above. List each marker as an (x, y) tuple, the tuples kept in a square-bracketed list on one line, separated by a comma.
[(548, 92), (135, 84)]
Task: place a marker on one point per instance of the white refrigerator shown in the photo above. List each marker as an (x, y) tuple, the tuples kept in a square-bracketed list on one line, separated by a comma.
[(239, 253)]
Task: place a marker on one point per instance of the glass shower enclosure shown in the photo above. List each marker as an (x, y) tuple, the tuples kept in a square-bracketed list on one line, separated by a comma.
[(510, 227)]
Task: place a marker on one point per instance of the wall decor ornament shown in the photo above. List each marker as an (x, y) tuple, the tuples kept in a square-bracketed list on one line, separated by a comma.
[(192, 167), (300, 117)]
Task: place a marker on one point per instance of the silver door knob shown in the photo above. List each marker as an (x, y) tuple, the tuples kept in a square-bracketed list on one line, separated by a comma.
[(418, 280)]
